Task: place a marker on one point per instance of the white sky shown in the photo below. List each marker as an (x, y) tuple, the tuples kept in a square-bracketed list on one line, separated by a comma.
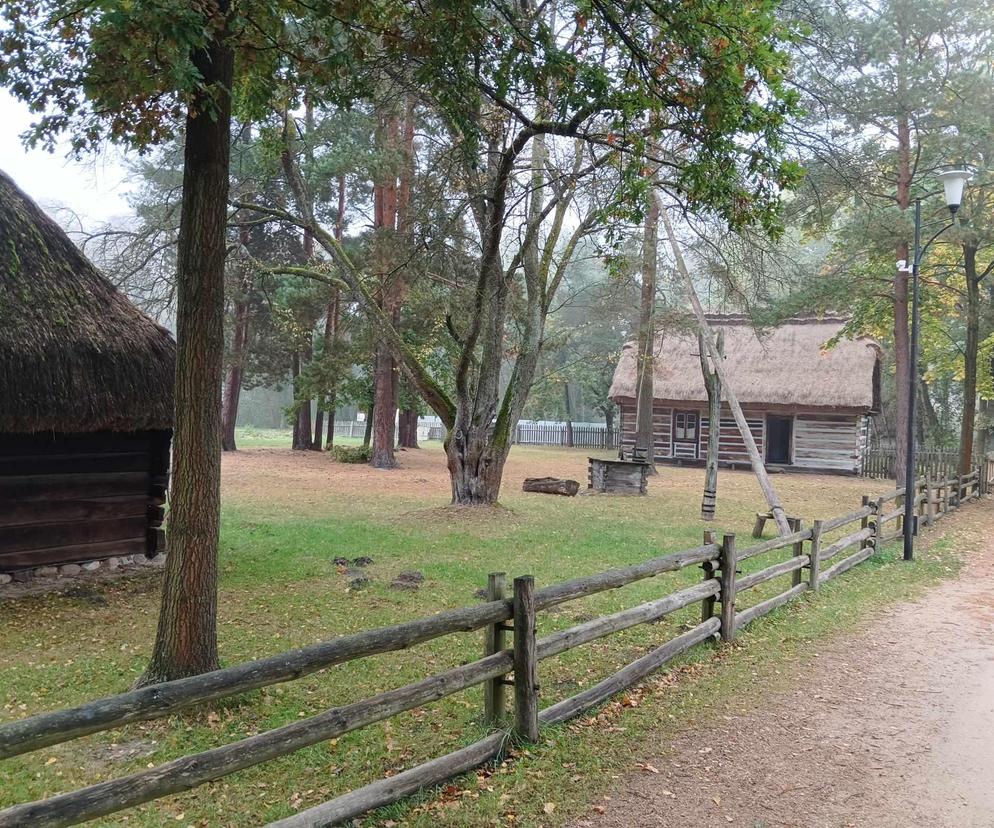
[(94, 188)]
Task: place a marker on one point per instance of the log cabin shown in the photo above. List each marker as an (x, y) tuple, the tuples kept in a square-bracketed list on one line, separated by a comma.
[(86, 403), (807, 404)]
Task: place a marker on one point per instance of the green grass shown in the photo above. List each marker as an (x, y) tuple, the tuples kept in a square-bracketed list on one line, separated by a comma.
[(281, 589), (251, 437)]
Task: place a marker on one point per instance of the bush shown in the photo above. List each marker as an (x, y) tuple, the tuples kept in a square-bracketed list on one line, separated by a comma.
[(352, 454)]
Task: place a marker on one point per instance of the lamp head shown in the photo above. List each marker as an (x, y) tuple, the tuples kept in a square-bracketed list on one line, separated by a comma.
[(953, 182)]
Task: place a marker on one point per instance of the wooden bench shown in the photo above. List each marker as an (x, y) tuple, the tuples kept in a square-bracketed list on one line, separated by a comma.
[(762, 517)]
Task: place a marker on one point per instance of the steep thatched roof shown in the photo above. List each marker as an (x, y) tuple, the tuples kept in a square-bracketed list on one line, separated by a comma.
[(75, 354), (789, 365)]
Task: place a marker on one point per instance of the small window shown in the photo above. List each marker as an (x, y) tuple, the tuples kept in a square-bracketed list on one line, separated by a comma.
[(691, 426), (685, 426), (681, 426)]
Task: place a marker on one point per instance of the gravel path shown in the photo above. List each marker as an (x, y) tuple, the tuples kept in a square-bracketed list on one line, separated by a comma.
[(892, 726)]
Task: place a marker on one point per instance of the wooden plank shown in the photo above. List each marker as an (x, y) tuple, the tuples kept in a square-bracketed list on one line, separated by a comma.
[(81, 463), (190, 771), (72, 486), (46, 536), (494, 641), (27, 512), (842, 520), (844, 543), (559, 642), (767, 606), (846, 564), (525, 660), (773, 544), (613, 578), (160, 700), (32, 445), (795, 564), (71, 553), (814, 555)]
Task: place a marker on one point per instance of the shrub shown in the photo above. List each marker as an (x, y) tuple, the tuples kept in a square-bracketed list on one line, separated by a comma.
[(352, 454)]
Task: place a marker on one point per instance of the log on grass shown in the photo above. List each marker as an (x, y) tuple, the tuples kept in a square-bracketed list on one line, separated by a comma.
[(846, 564), (551, 485), (747, 615)]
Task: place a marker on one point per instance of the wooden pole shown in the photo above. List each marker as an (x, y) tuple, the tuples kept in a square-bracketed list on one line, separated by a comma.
[(525, 660), (798, 551), (712, 384), (727, 596), (814, 564), (758, 467), (707, 605), (494, 706)]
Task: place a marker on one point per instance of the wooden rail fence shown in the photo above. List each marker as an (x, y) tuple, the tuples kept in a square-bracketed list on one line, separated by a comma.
[(811, 563)]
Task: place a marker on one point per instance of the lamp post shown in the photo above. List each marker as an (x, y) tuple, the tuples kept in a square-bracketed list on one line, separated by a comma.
[(953, 183)]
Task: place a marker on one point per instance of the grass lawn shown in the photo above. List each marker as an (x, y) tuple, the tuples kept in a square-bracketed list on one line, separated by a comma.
[(287, 515)]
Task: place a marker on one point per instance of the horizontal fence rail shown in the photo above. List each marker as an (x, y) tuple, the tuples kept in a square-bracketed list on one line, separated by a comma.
[(817, 554)]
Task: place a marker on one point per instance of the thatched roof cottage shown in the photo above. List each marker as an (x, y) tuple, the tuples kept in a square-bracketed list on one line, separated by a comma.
[(807, 404), (86, 402)]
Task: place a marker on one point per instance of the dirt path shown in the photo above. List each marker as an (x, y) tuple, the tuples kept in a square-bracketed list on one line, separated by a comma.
[(892, 726)]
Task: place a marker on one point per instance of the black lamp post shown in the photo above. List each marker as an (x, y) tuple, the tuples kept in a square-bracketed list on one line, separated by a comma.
[(953, 182)]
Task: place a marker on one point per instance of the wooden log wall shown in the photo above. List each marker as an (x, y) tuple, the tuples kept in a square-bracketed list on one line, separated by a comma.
[(827, 441), (81, 497)]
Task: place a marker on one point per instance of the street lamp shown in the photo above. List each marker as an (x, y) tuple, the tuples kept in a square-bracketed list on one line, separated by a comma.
[(953, 183)]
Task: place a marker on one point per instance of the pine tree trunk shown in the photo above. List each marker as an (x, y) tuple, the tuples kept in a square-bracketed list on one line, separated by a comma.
[(644, 428), (186, 637), (316, 443), (902, 335), (330, 441), (367, 436), (970, 356), (609, 426), (407, 436), (233, 380), (384, 410), (298, 441)]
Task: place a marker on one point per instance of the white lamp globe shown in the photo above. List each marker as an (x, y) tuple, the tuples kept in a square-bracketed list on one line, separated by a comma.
[(953, 181)]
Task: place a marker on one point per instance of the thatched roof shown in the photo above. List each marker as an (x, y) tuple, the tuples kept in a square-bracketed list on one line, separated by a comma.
[(786, 366), (75, 354)]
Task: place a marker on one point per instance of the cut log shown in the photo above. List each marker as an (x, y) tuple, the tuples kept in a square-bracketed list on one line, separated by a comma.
[(551, 485)]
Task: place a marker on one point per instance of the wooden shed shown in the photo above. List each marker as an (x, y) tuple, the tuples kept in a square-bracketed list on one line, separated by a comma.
[(86, 402), (807, 404)]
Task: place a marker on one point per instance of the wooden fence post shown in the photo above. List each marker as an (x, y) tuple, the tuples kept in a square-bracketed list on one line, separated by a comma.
[(707, 605), (814, 566), (525, 660), (798, 550), (878, 525), (494, 640), (728, 563)]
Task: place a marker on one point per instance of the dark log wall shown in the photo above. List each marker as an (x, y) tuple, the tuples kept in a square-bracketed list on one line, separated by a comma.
[(821, 441), (81, 497)]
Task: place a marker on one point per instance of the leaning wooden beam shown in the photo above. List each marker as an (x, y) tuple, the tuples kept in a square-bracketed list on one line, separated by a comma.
[(612, 579), (191, 771), (160, 700), (747, 615), (758, 467)]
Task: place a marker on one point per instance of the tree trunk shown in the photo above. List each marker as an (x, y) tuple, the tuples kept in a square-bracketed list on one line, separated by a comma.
[(476, 465), (758, 467), (233, 380), (384, 410), (407, 436), (902, 336), (609, 426), (644, 430), (318, 424), (330, 441), (186, 637), (712, 383), (367, 436), (970, 356), (304, 409), (300, 436), (568, 402)]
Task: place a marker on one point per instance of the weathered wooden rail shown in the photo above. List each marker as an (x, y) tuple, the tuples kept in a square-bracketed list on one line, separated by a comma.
[(812, 562)]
